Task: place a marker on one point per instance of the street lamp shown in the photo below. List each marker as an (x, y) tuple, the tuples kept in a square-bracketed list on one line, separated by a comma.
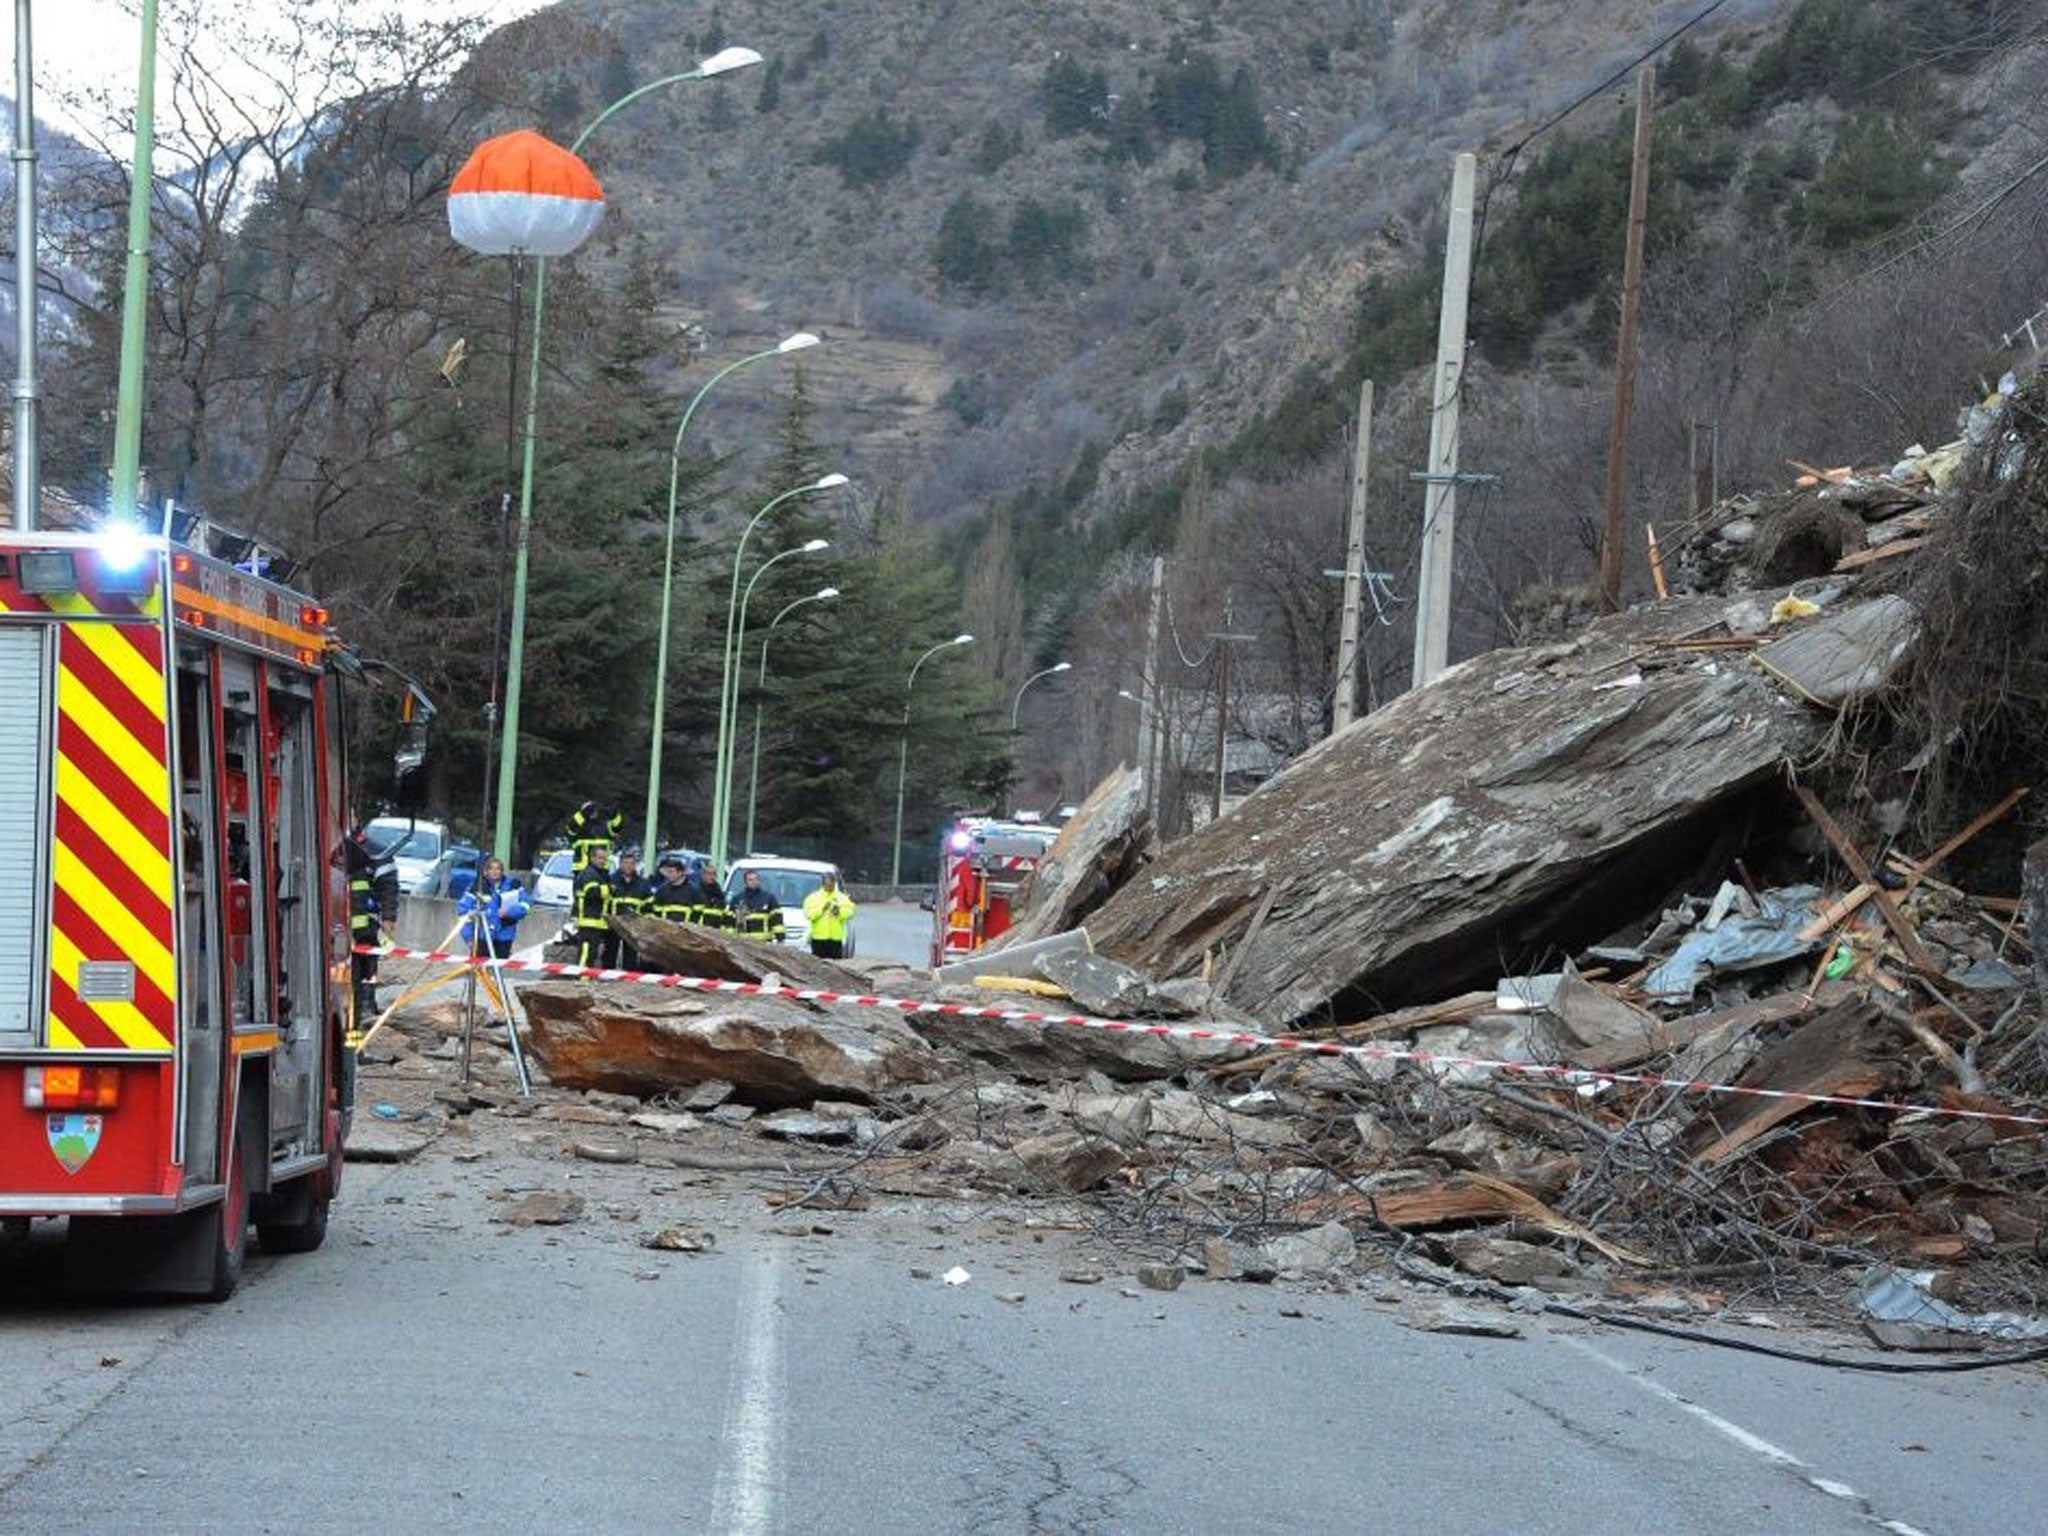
[(731, 731), (719, 63), (760, 686), (1018, 702), (796, 343), (729, 670), (903, 751)]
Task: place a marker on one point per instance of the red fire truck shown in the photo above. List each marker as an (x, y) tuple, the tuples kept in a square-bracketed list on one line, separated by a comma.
[(982, 864), (174, 924)]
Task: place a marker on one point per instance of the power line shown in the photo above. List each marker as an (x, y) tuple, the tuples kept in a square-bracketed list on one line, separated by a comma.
[(1505, 165)]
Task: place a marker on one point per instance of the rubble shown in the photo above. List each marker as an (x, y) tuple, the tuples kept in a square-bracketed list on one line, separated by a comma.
[(1543, 906)]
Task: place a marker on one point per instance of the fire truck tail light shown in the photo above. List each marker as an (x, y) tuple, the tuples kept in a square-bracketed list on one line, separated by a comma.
[(71, 1087), (313, 618)]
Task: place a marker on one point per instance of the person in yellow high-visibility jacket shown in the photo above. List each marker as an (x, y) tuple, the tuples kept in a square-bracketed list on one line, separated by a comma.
[(828, 910)]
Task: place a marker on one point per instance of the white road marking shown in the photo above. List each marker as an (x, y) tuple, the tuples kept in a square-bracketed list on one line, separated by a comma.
[(1749, 1440), (743, 1501)]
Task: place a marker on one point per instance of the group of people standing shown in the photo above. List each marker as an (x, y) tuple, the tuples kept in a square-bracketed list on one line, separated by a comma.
[(680, 891)]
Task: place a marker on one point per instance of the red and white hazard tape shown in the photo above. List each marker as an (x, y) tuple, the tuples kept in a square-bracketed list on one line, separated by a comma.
[(1567, 1077)]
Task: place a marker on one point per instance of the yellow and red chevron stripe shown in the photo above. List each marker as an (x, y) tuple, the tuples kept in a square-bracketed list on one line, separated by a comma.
[(112, 876)]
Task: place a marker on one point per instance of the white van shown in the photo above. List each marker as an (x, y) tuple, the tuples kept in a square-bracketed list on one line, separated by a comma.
[(789, 881)]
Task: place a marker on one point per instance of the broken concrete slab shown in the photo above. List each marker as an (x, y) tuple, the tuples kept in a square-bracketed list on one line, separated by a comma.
[(1125, 1118), (1054, 1052), (1318, 1251), (1071, 1161), (648, 1040), (1517, 802), (802, 1125), (1106, 989), (1585, 1014), (1446, 1317), (1844, 655), (1012, 960), (379, 1141), (1192, 1118), (1506, 1260)]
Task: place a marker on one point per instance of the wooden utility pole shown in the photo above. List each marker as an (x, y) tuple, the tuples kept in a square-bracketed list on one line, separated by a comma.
[(1440, 495), (1344, 707), (1612, 530)]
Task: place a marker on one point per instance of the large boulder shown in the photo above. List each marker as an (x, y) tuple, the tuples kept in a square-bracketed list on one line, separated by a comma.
[(646, 1040), (1526, 799), (1100, 847)]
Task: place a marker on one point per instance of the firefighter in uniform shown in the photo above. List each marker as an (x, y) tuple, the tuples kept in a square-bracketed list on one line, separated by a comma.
[(631, 892), (591, 901), (372, 913), (759, 913), (591, 828), (672, 897), (706, 902)]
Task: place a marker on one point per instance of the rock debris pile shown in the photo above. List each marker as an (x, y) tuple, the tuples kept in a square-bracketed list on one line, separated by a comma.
[(1539, 911)]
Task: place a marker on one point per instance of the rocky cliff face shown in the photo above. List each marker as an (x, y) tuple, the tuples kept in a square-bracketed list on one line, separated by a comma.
[(1148, 291)]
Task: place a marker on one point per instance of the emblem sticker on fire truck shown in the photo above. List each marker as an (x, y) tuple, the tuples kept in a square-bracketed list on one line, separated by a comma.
[(74, 1139), (111, 972)]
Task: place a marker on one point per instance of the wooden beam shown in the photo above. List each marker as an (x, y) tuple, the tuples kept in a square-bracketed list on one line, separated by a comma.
[(1909, 941)]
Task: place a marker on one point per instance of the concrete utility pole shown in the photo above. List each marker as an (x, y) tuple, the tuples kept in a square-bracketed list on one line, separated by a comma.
[(1613, 532), (28, 488), (1223, 640), (125, 491), (1148, 691), (1344, 707), (1439, 502)]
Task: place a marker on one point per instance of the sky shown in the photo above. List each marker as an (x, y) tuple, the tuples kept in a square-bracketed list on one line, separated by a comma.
[(78, 43)]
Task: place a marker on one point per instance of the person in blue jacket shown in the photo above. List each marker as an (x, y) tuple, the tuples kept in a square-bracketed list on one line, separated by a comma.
[(500, 900)]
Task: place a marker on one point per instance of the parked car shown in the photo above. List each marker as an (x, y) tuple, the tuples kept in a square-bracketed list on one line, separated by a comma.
[(460, 866), (415, 846), (553, 883), (789, 881)]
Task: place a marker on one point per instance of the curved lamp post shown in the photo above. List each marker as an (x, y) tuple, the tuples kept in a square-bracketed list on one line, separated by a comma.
[(903, 751), (508, 761), (729, 670), (796, 343), (760, 686), (1018, 703), (739, 651)]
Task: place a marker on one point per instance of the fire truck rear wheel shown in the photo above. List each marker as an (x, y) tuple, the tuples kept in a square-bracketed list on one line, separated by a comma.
[(231, 1241), (299, 1221)]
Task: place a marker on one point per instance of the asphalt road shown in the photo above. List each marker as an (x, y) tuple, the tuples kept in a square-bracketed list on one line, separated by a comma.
[(434, 1369), (894, 930)]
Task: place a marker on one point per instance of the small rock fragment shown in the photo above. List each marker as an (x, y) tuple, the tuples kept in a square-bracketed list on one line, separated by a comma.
[(1161, 1277), (546, 1208), (680, 1240)]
